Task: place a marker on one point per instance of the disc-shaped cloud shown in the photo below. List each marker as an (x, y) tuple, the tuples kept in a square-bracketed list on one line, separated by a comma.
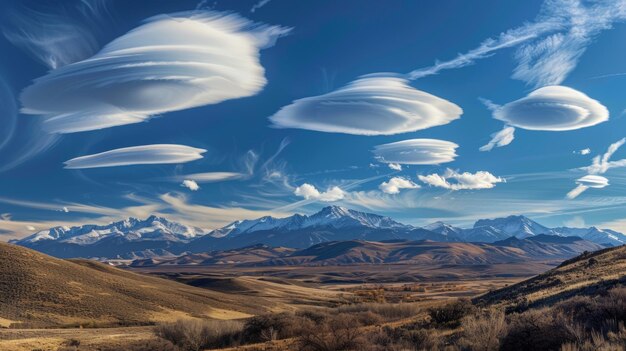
[(416, 152), (553, 108), (138, 155), (369, 106), (171, 62), (586, 182), (593, 181)]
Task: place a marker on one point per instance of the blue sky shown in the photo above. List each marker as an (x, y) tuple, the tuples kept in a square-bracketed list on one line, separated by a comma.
[(371, 73)]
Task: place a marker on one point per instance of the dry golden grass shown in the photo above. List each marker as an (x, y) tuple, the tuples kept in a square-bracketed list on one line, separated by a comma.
[(587, 274), (38, 290)]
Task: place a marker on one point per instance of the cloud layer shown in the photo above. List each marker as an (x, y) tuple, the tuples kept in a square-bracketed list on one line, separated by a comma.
[(170, 63), (310, 192), (553, 108), (416, 152), (395, 184), (453, 180), (368, 106), (138, 155)]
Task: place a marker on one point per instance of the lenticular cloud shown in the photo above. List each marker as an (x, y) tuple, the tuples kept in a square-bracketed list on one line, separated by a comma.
[(372, 105), (138, 155), (416, 152), (171, 62), (553, 108)]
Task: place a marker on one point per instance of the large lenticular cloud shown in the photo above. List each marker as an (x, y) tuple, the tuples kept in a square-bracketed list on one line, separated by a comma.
[(553, 108), (138, 155), (369, 106), (417, 152), (171, 62)]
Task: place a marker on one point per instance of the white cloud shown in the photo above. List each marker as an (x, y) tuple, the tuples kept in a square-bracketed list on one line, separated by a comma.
[(461, 181), (190, 184), (258, 5), (55, 35), (31, 228), (416, 152), (310, 192), (395, 184), (550, 46), (586, 182), (65, 209), (373, 105), (499, 139), (553, 108), (209, 177), (586, 151), (170, 63), (602, 163), (138, 155), (395, 166)]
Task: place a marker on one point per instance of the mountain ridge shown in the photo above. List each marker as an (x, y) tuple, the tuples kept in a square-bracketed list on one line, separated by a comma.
[(141, 238)]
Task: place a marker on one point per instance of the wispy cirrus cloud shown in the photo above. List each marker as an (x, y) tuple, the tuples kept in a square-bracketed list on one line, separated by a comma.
[(56, 35), (170, 63), (499, 139), (416, 152), (373, 105), (548, 48), (137, 155)]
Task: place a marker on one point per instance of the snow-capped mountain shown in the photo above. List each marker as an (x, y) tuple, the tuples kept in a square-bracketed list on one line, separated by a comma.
[(332, 216), (131, 229), (596, 235), (451, 233), (519, 226), (136, 238), (128, 238)]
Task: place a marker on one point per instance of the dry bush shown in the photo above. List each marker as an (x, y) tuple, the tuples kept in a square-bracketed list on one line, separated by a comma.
[(538, 329), (270, 327), (484, 331), (388, 311), (195, 334), (450, 315), (337, 333)]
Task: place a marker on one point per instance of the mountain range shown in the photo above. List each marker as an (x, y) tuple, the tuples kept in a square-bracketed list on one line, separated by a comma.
[(157, 236), (540, 247)]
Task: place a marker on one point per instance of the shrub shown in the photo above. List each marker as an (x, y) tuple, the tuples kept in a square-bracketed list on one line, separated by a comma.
[(269, 327), (195, 334), (335, 334), (540, 329), (450, 315), (484, 331)]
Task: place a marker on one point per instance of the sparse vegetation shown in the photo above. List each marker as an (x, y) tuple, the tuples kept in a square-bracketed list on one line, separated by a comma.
[(196, 334)]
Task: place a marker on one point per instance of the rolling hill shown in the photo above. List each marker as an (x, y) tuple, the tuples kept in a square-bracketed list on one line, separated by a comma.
[(37, 290), (590, 273), (359, 252)]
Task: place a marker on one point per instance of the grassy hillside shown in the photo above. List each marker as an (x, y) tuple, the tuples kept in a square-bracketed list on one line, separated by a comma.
[(39, 290), (588, 274)]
